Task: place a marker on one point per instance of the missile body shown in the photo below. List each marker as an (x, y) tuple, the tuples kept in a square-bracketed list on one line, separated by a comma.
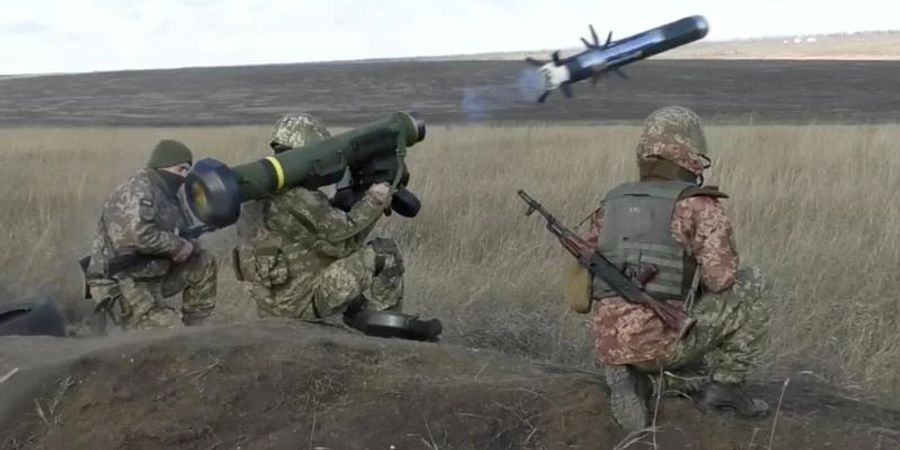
[(599, 58)]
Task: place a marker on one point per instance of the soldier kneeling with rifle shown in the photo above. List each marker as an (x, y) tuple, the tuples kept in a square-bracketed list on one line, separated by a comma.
[(144, 251), (661, 267)]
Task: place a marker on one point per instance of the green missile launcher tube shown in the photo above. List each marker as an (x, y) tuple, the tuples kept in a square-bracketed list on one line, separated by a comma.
[(215, 191)]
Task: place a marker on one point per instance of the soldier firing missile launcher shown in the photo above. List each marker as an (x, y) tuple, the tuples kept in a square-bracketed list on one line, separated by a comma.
[(600, 58), (358, 158)]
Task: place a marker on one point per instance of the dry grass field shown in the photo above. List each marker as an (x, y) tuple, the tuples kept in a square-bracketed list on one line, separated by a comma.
[(814, 206)]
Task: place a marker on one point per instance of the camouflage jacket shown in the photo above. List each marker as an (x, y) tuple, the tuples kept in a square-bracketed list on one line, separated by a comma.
[(625, 333), (140, 217), (305, 234)]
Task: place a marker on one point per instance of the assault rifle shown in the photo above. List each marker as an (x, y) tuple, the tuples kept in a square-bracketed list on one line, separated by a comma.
[(128, 260), (602, 268)]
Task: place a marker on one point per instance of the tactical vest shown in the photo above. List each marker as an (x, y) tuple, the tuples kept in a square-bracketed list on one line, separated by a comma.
[(637, 222)]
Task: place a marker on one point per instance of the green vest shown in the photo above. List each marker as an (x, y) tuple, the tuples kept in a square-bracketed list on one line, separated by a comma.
[(637, 223)]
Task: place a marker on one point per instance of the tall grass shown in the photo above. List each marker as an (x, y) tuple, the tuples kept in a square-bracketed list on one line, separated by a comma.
[(814, 206)]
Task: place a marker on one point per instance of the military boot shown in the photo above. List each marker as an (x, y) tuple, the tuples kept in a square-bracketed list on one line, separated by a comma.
[(680, 384), (627, 398), (193, 320), (352, 311), (717, 396), (426, 330)]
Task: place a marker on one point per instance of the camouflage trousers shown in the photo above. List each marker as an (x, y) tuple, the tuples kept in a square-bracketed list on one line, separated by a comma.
[(725, 343), (337, 286), (139, 304)]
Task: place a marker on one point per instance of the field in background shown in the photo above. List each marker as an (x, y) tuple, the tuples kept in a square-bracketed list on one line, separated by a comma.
[(814, 206), (875, 46), (457, 92)]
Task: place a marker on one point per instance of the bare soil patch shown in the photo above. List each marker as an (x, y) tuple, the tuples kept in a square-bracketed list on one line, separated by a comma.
[(280, 384)]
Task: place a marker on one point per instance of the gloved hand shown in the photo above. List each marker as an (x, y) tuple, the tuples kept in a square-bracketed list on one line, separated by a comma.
[(381, 192), (184, 252)]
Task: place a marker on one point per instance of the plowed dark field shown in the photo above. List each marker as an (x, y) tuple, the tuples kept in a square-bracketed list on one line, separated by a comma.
[(457, 92)]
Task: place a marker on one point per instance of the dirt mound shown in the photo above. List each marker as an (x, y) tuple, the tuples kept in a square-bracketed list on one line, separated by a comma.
[(279, 384)]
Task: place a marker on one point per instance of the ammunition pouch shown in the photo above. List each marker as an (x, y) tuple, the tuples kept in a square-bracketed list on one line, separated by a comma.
[(265, 265), (577, 287)]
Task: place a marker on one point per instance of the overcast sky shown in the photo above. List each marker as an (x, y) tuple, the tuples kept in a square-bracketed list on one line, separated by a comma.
[(38, 36)]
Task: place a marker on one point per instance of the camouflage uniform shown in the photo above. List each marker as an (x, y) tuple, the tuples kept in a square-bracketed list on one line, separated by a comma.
[(308, 260), (141, 218), (730, 308)]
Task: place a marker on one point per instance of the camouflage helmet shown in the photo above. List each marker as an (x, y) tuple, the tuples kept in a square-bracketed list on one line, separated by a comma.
[(674, 133), (296, 130)]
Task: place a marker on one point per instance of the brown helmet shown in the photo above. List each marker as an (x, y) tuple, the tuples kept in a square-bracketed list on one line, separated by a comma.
[(674, 134)]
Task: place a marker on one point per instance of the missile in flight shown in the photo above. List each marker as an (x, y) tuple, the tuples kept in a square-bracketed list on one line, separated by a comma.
[(599, 58)]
